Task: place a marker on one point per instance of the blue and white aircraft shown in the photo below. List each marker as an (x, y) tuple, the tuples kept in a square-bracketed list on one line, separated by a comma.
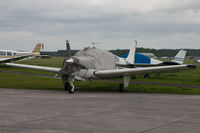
[(144, 61)]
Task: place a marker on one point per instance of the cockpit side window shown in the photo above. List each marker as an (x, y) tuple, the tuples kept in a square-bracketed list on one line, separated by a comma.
[(9, 53), (2, 53)]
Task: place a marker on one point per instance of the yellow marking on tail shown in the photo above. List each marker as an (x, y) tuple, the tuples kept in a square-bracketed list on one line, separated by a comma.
[(38, 47)]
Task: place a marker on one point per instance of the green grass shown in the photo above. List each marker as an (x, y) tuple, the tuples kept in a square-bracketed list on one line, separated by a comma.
[(12, 80), (53, 62), (18, 81), (163, 89), (15, 80)]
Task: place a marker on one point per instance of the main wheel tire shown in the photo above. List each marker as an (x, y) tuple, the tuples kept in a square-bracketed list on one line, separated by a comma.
[(121, 88), (146, 76)]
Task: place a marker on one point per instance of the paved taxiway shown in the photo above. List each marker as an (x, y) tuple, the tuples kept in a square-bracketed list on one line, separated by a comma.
[(39, 111)]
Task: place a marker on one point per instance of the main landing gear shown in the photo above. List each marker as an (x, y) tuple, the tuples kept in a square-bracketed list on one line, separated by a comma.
[(126, 80), (147, 76)]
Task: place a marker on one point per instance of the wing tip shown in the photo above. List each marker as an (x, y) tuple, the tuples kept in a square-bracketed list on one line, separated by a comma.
[(192, 66)]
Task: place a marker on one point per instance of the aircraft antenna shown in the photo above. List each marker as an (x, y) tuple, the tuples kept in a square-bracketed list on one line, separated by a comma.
[(93, 44)]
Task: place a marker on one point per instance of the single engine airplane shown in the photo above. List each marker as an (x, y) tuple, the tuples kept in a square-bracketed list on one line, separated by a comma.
[(94, 63)]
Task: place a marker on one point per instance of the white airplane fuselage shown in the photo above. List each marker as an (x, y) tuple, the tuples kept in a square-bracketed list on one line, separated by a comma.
[(7, 54)]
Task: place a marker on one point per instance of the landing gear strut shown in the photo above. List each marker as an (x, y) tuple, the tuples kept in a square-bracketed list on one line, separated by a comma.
[(126, 80), (69, 86)]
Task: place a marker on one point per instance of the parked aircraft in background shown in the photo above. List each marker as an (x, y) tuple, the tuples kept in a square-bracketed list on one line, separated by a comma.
[(197, 60), (10, 55), (94, 63), (145, 61), (142, 60)]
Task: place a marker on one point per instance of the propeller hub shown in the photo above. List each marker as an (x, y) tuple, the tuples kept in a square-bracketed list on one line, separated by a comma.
[(70, 60)]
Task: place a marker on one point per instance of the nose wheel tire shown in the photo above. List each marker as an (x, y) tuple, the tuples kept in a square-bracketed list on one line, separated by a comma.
[(146, 76), (69, 88)]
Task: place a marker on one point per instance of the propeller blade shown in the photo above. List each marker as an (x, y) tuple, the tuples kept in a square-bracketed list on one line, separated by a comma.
[(68, 49)]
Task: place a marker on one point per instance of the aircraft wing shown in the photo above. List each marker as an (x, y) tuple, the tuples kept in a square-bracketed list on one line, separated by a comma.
[(43, 68), (139, 71), (4, 60)]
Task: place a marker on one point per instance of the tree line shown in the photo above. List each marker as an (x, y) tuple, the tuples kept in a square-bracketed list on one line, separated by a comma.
[(120, 52)]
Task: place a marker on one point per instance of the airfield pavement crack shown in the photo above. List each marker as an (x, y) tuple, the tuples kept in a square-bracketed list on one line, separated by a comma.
[(167, 124)]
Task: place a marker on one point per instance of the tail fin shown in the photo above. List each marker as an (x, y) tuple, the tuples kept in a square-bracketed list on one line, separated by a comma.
[(131, 55), (38, 47), (180, 57)]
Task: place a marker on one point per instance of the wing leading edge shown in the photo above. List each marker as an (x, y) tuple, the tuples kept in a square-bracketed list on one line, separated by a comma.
[(43, 68), (138, 71), (114, 72)]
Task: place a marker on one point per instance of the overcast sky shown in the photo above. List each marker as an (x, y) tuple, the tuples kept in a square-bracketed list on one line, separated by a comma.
[(113, 23)]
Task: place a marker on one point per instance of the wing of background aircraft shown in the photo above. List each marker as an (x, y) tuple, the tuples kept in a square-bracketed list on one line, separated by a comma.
[(4, 60)]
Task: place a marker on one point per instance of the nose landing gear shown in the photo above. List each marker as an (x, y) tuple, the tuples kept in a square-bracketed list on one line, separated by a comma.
[(69, 86)]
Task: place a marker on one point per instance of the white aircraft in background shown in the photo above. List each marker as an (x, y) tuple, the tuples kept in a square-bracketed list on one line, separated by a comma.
[(93, 63), (197, 60), (10, 55)]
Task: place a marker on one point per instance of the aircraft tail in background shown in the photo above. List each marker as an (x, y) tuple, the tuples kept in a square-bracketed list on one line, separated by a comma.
[(180, 57), (131, 56), (37, 49)]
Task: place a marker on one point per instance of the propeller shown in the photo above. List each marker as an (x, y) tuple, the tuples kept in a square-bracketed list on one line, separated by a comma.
[(69, 67), (69, 64), (68, 49)]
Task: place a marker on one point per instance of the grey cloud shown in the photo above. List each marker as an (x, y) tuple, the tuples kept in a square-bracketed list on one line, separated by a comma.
[(103, 21)]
